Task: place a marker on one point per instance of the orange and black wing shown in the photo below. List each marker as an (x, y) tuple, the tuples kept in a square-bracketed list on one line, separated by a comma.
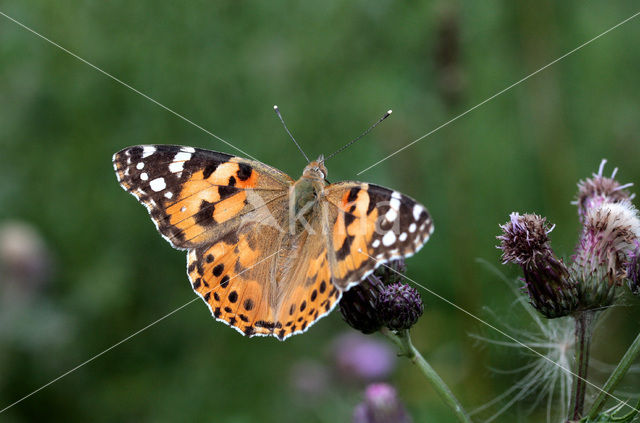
[(371, 225), (194, 196)]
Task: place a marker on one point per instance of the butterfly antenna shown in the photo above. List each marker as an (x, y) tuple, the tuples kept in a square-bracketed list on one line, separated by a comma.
[(287, 129), (386, 115)]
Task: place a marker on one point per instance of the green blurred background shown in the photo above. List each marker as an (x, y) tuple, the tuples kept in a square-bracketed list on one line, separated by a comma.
[(99, 271)]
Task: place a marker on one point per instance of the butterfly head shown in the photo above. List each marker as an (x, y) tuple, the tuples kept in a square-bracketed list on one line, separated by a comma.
[(316, 170)]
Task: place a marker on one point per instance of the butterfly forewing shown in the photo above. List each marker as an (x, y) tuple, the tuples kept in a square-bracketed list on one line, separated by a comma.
[(371, 225), (194, 194)]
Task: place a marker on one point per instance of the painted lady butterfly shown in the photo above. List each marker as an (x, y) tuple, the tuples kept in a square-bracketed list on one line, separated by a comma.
[(269, 255)]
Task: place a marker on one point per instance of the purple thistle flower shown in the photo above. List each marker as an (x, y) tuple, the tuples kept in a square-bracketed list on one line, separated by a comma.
[(525, 242), (400, 306), (524, 238), (608, 242), (597, 190), (380, 405)]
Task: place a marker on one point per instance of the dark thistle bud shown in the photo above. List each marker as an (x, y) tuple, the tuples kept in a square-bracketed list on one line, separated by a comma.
[(400, 306), (525, 241), (633, 270), (608, 241), (380, 405), (595, 191), (359, 305)]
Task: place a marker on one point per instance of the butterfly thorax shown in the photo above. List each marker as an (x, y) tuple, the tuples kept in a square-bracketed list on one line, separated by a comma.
[(305, 193)]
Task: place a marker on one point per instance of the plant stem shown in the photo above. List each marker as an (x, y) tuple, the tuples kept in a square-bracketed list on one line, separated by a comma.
[(403, 341), (584, 328), (615, 378)]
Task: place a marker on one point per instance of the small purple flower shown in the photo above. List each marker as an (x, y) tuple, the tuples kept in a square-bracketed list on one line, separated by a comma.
[(363, 358), (597, 190), (525, 242), (380, 405), (400, 306)]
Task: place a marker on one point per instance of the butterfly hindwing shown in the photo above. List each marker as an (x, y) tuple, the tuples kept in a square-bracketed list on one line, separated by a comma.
[(372, 225), (307, 291), (232, 276), (192, 194)]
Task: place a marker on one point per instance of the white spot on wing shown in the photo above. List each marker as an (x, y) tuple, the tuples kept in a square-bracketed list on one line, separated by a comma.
[(417, 210), (188, 149), (391, 214), (182, 156), (376, 243), (148, 150), (140, 165), (158, 184), (412, 228), (402, 236), (388, 239), (168, 194), (176, 167), (395, 200), (144, 176)]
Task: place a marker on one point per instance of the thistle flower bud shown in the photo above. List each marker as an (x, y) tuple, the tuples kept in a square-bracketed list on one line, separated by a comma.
[(609, 239), (380, 405), (400, 306), (359, 305), (525, 241), (595, 191)]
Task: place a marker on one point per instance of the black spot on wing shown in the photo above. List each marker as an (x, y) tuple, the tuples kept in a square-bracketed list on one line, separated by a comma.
[(345, 249), (353, 194), (217, 271), (348, 219), (207, 171), (204, 215), (226, 191), (244, 171), (248, 304), (224, 283)]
